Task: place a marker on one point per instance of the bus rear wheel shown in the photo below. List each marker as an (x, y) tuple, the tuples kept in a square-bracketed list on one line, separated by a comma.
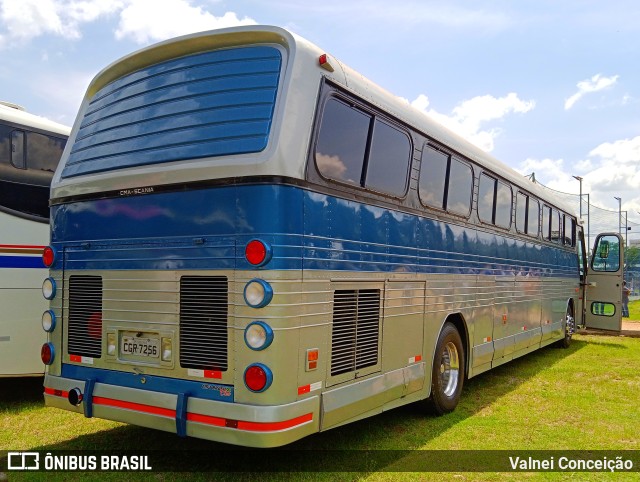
[(569, 329), (448, 371)]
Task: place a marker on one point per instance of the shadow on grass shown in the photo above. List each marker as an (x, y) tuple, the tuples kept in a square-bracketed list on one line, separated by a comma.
[(16, 393), (364, 446)]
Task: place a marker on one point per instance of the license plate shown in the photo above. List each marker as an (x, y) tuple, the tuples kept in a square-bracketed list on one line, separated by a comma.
[(148, 347)]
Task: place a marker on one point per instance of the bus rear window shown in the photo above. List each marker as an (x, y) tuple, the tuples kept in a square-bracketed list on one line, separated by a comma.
[(210, 104)]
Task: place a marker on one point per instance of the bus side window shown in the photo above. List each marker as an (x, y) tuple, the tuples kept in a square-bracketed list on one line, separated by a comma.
[(494, 202), (460, 188), (388, 162), (43, 152), (486, 192), (504, 198), (433, 175), (533, 218), (17, 149), (546, 223), (556, 233), (342, 142), (522, 202)]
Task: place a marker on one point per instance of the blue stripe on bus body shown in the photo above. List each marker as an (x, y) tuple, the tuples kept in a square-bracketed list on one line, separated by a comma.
[(21, 262), (208, 229), (201, 389), (204, 105)]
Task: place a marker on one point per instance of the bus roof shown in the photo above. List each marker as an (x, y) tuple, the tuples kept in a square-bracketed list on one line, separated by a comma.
[(17, 115), (303, 51)]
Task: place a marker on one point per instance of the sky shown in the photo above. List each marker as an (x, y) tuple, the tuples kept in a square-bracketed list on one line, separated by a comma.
[(547, 87)]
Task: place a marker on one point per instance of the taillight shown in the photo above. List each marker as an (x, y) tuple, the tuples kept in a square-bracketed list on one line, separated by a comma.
[(47, 353), (48, 256), (257, 377), (257, 252)]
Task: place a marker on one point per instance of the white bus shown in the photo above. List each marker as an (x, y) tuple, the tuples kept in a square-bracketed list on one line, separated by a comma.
[(30, 148), (253, 243)]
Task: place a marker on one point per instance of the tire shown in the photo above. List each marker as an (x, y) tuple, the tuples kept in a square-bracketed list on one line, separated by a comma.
[(447, 374), (569, 329)]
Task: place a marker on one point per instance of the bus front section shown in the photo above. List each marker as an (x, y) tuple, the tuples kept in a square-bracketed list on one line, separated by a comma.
[(175, 261)]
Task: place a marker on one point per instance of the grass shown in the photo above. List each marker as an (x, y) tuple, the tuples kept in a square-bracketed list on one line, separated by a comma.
[(634, 311), (582, 398)]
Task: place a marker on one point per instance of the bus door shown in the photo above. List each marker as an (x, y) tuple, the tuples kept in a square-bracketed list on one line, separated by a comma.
[(603, 293)]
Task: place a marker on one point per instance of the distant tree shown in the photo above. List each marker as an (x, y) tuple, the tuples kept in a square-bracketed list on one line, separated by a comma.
[(632, 258)]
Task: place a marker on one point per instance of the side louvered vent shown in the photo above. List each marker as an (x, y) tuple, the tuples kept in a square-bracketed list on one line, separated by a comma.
[(85, 316), (356, 329), (203, 322)]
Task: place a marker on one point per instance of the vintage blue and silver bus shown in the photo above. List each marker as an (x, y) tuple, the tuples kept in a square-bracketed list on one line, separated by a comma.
[(30, 148), (253, 243)]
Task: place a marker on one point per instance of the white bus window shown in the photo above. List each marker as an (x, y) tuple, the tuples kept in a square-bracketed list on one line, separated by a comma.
[(342, 142), (389, 158), (433, 175), (17, 149), (460, 187)]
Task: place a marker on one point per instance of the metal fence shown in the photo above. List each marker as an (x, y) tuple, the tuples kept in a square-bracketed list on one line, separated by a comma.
[(597, 219)]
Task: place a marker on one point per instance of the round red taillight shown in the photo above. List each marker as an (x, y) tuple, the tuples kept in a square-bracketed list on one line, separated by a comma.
[(257, 377), (48, 256), (255, 252), (46, 353)]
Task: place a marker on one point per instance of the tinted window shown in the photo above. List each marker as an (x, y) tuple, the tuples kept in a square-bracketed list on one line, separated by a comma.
[(27, 162), (546, 222), (17, 149), (433, 175), (556, 234), (43, 152), (503, 205), (521, 212), (460, 188), (5, 144), (342, 142), (389, 157), (486, 192), (533, 218)]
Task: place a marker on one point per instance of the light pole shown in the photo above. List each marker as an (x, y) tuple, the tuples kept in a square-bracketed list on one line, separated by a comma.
[(578, 178), (619, 214)]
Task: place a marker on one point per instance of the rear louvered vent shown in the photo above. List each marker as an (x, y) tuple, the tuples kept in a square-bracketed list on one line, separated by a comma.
[(203, 322), (85, 316), (356, 329)]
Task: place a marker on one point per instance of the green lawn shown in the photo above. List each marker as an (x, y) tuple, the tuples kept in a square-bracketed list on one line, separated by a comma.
[(584, 398), (634, 311)]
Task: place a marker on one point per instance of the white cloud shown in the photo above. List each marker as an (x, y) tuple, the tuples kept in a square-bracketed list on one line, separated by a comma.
[(611, 170), (620, 151), (594, 84), (24, 20), (144, 21), (468, 118), (140, 20)]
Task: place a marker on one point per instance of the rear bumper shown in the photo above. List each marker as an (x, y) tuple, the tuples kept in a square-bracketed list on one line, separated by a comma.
[(234, 423)]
